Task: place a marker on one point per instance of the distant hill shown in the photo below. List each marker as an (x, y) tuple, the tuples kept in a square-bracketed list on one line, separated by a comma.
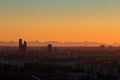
[(54, 43)]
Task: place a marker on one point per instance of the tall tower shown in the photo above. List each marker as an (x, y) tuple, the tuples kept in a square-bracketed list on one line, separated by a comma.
[(22, 47), (20, 43), (25, 47), (25, 44)]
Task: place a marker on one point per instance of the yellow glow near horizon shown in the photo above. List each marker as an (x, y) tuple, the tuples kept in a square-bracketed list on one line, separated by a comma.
[(62, 30)]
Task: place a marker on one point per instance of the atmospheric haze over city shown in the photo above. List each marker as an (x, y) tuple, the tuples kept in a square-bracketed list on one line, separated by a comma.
[(59, 40)]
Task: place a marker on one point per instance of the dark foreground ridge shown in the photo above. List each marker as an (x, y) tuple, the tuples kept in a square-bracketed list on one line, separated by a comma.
[(59, 63)]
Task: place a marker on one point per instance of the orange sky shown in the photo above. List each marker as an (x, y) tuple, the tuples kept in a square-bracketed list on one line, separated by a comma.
[(96, 21)]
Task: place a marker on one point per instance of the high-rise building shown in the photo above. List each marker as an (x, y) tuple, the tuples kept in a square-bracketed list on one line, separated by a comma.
[(20, 43), (22, 47)]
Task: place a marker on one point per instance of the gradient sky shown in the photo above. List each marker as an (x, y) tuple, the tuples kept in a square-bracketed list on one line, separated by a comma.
[(60, 20)]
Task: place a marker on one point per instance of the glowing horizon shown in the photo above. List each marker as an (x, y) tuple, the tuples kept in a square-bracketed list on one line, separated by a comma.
[(60, 20)]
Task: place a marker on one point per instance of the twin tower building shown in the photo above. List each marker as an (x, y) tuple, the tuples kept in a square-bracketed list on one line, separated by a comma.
[(22, 47)]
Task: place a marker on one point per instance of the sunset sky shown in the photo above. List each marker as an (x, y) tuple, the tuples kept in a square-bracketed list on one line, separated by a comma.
[(60, 20)]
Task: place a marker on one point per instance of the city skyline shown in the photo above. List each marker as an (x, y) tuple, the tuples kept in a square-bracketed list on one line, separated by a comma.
[(60, 20), (58, 43)]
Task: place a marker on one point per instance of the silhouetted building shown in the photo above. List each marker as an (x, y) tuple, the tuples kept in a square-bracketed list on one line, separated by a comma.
[(22, 47), (102, 46), (20, 43), (110, 46), (49, 46)]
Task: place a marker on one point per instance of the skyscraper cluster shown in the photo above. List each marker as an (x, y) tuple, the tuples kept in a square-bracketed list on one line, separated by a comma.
[(22, 47)]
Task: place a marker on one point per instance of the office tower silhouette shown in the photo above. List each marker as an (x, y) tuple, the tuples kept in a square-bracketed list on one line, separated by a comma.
[(22, 47)]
